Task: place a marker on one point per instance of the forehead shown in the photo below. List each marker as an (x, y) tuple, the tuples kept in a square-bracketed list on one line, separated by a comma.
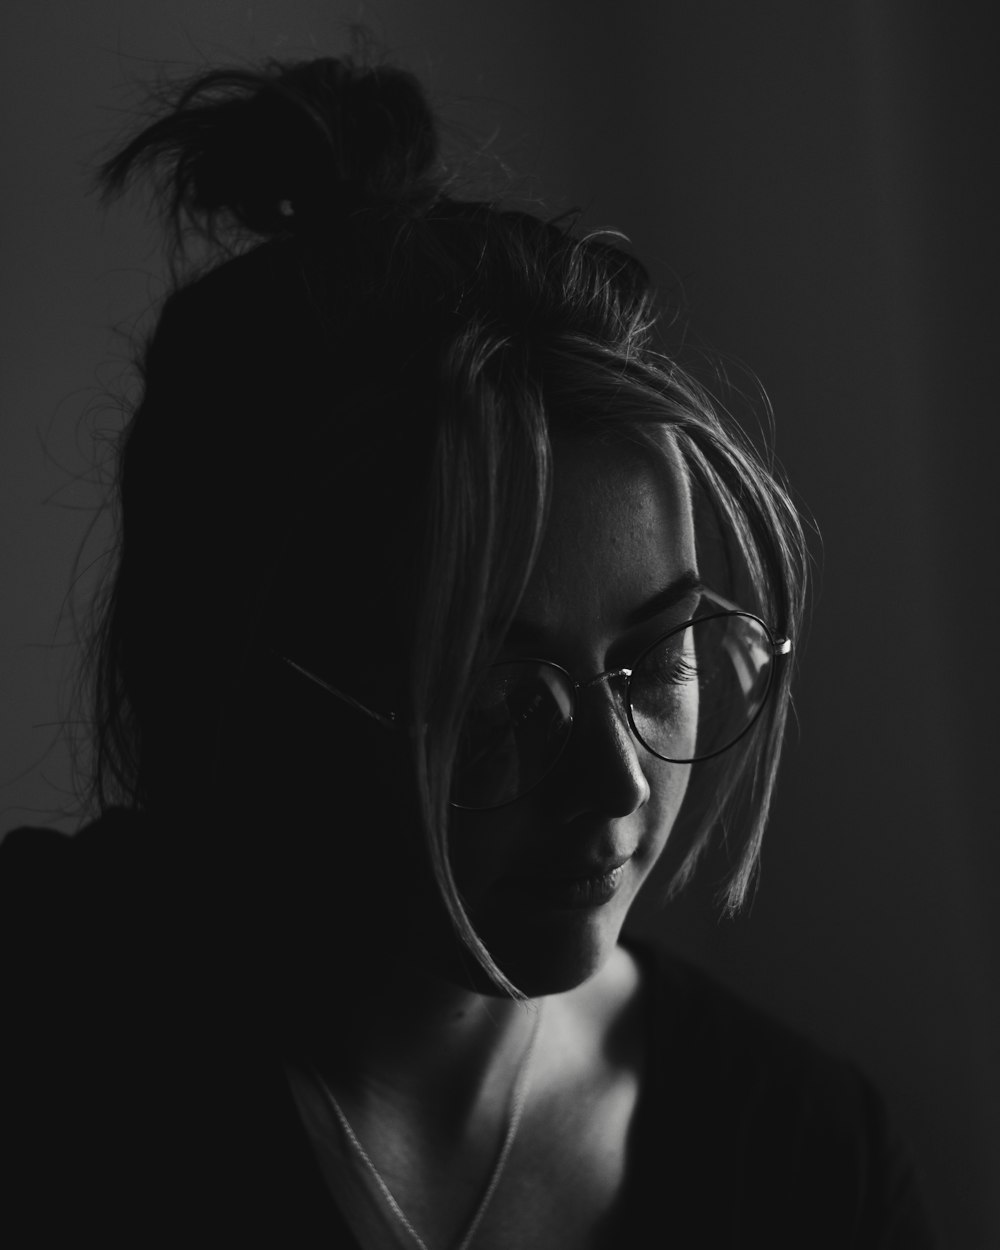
[(620, 530)]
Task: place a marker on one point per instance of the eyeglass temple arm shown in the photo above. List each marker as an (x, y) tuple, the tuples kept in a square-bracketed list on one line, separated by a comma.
[(782, 645), (388, 721)]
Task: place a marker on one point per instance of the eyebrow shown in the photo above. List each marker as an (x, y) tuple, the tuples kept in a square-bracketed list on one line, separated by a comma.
[(686, 586)]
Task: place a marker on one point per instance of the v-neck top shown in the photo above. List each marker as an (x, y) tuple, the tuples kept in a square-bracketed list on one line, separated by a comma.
[(145, 1104)]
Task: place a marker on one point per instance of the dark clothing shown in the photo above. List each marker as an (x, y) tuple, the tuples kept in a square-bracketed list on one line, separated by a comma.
[(146, 1102)]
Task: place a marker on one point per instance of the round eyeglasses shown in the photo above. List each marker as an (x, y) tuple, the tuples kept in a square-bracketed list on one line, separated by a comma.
[(690, 695)]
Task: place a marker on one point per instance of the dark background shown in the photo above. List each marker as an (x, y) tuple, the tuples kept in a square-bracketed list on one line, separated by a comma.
[(820, 178)]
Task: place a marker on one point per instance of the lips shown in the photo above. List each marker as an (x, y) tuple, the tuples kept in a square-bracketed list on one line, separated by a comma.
[(591, 883), (588, 869)]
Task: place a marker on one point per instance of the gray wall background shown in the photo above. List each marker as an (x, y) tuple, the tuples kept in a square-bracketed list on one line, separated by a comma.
[(820, 178)]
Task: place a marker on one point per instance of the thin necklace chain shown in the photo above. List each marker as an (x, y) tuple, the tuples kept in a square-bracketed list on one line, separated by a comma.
[(517, 1107)]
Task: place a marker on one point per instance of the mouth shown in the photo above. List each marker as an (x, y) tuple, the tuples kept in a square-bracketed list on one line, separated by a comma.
[(593, 885)]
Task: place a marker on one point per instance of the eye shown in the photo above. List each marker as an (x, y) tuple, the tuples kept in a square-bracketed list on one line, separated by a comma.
[(524, 706), (666, 676), (672, 658)]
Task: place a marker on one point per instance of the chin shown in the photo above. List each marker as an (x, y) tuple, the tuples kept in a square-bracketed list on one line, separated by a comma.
[(551, 953)]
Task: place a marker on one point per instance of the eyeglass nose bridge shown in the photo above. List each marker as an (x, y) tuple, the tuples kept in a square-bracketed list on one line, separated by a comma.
[(609, 676), (621, 696), (606, 676)]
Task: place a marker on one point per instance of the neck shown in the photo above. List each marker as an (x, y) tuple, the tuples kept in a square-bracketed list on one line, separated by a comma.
[(412, 1040)]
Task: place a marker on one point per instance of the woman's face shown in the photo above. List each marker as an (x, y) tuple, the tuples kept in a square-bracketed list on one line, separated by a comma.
[(548, 880)]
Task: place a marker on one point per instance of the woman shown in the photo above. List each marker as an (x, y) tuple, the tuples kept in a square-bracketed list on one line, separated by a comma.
[(445, 611)]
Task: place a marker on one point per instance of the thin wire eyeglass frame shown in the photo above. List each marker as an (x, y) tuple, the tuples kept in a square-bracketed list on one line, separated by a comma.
[(778, 646)]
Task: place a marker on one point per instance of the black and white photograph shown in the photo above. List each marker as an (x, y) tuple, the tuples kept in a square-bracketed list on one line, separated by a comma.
[(499, 723)]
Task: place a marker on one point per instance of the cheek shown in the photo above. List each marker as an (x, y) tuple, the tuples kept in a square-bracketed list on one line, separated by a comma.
[(668, 785)]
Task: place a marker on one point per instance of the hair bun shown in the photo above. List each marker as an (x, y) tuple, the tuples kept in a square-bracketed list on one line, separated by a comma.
[(289, 144)]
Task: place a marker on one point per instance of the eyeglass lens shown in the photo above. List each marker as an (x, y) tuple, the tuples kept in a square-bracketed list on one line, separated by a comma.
[(692, 695)]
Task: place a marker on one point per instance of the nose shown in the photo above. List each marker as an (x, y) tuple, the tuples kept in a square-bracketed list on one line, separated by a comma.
[(608, 775)]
